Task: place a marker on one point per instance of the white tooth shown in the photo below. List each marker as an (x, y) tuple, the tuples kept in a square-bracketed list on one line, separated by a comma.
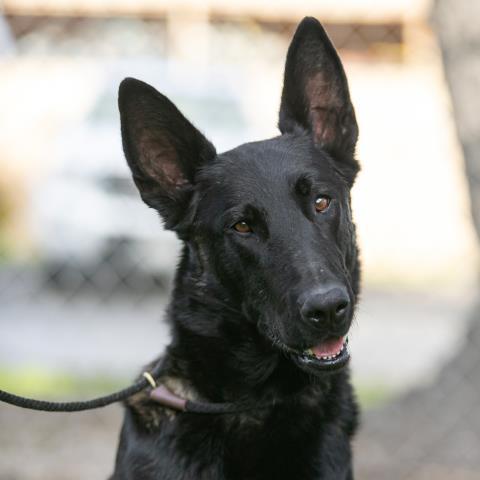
[(309, 351)]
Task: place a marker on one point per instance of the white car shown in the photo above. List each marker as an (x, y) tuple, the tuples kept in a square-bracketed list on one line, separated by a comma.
[(89, 221)]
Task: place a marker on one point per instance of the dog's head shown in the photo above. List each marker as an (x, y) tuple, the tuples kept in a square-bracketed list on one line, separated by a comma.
[(269, 221)]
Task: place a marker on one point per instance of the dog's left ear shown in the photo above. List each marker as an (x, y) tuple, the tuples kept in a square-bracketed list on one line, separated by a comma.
[(163, 149), (315, 92)]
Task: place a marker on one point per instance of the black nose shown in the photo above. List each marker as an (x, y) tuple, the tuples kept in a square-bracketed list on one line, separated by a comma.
[(327, 307)]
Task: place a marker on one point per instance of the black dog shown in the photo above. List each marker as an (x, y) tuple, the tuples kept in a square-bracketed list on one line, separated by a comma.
[(266, 286)]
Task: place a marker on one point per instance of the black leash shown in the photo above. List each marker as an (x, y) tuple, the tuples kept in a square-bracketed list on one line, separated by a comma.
[(158, 393), (46, 406)]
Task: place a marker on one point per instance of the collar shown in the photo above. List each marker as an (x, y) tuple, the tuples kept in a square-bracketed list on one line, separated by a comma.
[(165, 397)]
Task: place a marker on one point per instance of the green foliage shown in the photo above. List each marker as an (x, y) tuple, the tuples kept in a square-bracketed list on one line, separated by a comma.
[(42, 384), (372, 395)]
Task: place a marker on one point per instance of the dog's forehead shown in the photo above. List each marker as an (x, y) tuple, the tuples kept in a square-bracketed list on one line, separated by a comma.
[(268, 166)]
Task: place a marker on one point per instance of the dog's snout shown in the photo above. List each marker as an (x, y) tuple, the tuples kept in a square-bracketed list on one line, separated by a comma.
[(327, 307)]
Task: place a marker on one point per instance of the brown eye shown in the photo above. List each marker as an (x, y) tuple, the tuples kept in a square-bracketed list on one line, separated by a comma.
[(242, 227), (321, 203)]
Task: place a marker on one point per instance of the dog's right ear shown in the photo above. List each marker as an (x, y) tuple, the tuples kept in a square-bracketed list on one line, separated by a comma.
[(315, 93), (162, 148)]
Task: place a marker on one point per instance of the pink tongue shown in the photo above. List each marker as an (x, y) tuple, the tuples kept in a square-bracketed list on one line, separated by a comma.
[(328, 348)]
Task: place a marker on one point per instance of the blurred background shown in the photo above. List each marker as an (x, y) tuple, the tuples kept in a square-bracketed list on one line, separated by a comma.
[(85, 267)]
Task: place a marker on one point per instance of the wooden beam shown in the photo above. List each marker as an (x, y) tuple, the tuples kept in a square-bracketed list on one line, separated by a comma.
[(369, 11)]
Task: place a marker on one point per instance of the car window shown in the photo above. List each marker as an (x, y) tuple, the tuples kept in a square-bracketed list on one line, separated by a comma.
[(105, 108), (216, 112)]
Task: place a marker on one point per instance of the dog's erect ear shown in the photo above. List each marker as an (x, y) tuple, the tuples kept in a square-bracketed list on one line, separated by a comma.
[(315, 92), (162, 147)]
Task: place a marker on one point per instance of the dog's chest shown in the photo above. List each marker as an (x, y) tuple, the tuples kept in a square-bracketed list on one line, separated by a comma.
[(299, 447)]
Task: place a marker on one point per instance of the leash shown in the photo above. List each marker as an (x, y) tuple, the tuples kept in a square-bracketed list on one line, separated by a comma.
[(158, 393), (46, 406)]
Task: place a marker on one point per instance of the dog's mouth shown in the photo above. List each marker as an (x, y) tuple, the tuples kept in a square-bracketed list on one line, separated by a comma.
[(330, 355)]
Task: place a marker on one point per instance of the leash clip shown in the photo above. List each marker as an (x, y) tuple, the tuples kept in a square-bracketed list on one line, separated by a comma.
[(150, 379)]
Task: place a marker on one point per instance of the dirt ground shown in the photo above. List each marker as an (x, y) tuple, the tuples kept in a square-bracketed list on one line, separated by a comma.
[(42, 446)]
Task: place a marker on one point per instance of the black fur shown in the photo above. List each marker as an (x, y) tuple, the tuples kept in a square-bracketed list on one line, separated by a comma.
[(236, 309)]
